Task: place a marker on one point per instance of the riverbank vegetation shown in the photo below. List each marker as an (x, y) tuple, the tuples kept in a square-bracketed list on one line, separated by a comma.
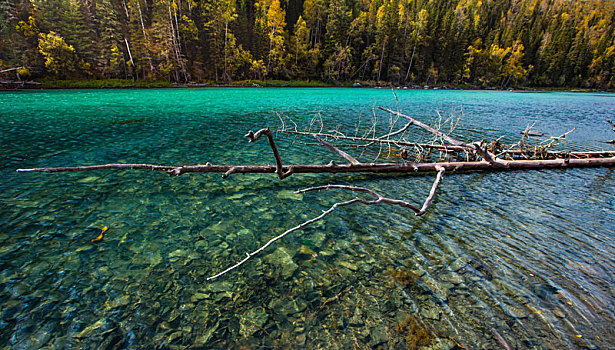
[(498, 43)]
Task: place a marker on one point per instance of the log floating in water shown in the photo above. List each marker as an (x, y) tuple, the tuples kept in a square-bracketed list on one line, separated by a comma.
[(346, 168)]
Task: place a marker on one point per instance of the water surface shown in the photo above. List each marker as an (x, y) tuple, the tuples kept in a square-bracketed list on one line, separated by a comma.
[(523, 257)]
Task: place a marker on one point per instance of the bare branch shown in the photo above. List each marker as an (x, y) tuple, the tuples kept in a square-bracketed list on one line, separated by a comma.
[(438, 133), (590, 159), (473, 146), (432, 192), (10, 69), (271, 241), (562, 136), (371, 141), (337, 151), (278, 162), (377, 200), (377, 197)]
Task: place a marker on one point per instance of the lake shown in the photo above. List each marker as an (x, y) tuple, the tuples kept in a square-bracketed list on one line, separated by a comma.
[(524, 259)]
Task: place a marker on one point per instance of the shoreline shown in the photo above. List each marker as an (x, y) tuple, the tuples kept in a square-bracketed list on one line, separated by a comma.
[(129, 84)]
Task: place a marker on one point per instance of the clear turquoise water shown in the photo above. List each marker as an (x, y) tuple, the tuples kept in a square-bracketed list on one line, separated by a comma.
[(524, 256)]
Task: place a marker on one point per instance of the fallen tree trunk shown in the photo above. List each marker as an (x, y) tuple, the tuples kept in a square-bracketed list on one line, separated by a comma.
[(335, 168)]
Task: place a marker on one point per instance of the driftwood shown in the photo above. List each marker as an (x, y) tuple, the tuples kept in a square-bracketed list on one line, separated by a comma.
[(10, 69), (335, 168), (479, 156)]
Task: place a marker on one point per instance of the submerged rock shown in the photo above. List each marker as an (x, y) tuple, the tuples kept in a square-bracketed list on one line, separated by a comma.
[(251, 320), (290, 195), (288, 306), (458, 264), (357, 318), (378, 335), (349, 265), (284, 261), (119, 302), (318, 238)]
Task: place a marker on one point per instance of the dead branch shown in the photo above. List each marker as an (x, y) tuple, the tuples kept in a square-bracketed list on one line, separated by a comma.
[(337, 151), (278, 162), (328, 301), (438, 133), (10, 69), (371, 141), (377, 200), (298, 227), (432, 192), (471, 146), (346, 168)]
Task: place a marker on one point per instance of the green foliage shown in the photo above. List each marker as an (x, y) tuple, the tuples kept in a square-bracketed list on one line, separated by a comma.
[(494, 43), (60, 59)]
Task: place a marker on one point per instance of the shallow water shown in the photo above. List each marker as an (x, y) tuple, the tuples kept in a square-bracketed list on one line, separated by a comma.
[(525, 258)]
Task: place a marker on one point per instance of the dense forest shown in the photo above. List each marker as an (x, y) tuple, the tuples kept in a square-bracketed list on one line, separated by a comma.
[(497, 43)]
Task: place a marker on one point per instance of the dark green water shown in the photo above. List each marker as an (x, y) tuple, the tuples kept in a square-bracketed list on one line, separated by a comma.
[(527, 256)]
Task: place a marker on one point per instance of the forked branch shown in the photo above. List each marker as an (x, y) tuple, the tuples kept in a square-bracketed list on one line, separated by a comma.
[(278, 161), (377, 200)]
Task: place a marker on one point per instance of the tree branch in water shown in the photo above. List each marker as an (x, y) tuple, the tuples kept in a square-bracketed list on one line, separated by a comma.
[(377, 200)]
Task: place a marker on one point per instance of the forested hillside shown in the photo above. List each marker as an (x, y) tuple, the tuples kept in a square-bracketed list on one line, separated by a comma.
[(498, 43)]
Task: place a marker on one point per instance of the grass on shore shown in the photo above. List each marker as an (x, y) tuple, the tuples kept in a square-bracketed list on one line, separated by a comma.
[(285, 83), (127, 83)]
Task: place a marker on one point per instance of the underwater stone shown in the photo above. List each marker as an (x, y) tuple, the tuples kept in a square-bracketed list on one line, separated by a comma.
[(11, 309), (174, 336), (220, 286), (357, 318), (453, 278), (290, 195), (256, 315), (204, 337), (300, 340), (92, 329), (199, 296), (348, 265), (288, 306), (458, 264), (318, 239), (173, 315), (284, 261), (177, 253), (237, 196), (118, 302), (378, 335), (305, 252), (559, 313), (201, 245), (327, 252), (343, 244), (442, 344), (517, 312), (431, 312), (224, 295), (244, 232)]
